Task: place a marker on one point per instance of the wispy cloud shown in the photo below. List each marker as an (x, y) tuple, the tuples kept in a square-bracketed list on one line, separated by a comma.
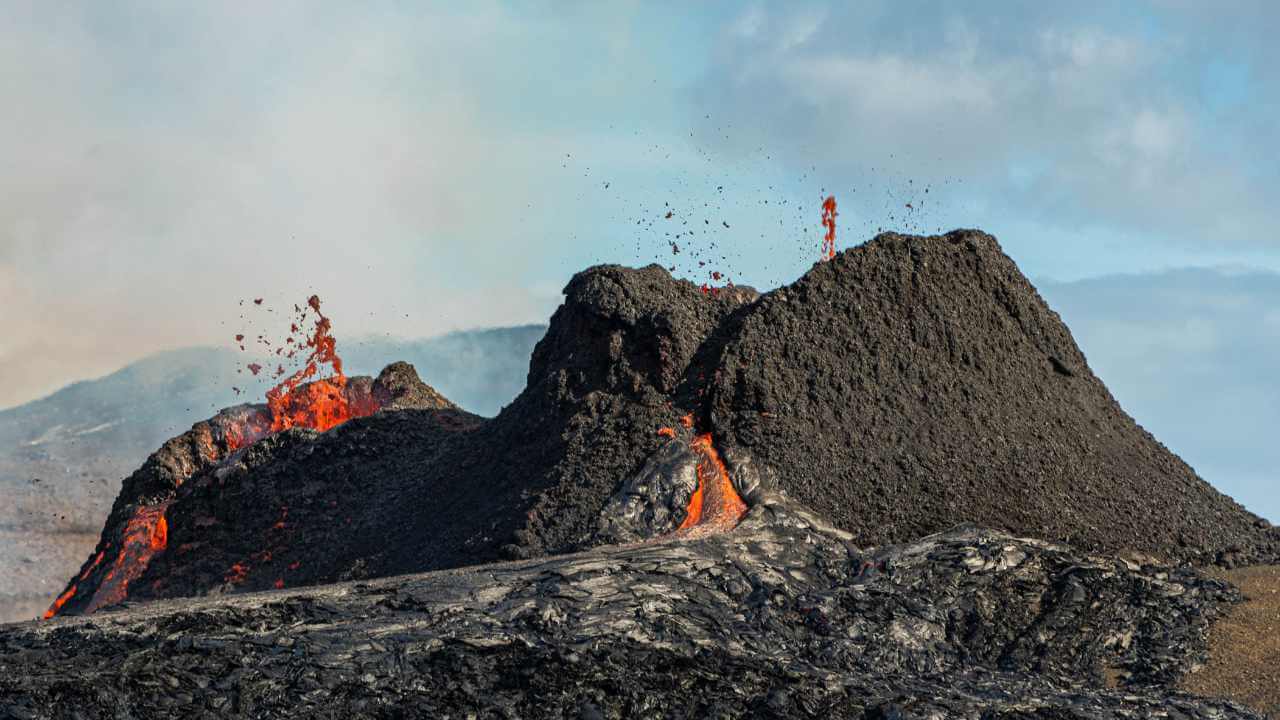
[(1102, 105), (162, 165), (426, 168)]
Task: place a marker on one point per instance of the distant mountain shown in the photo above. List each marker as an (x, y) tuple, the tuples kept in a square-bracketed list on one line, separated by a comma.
[(480, 370), (62, 457)]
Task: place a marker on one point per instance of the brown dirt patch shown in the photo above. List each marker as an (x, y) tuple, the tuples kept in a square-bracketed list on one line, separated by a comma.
[(1244, 647)]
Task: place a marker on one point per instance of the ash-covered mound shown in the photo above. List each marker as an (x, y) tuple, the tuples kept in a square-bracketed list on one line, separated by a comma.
[(415, 490), (915, 382), (907, 386), (140, 525)]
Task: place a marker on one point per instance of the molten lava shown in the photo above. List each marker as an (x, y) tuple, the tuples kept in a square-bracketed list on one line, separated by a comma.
[(318, 405), (145, 534), (236, 574), (715, 504), (298, 401), (246, 432), (829, 222), (96, 562), (62, 600)]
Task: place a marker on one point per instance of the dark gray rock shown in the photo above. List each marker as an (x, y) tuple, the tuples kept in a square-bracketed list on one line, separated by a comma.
[(782, 617), (909, 385), (912, 383)]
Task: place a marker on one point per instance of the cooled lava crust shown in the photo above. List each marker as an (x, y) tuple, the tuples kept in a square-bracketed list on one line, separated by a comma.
[(908, 385), (865, 414)]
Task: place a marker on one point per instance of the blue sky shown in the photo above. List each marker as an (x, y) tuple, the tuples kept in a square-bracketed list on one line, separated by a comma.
[(432, 167)]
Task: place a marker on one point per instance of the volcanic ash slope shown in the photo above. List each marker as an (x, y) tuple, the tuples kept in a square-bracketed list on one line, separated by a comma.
[(909, 385), (906, 387), (915, 382)]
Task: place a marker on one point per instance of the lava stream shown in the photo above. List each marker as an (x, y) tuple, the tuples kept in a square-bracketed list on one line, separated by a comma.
[(62, 600), (715, 505), (145, 534)]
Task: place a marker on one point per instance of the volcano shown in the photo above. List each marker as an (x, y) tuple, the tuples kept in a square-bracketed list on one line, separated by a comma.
[(827, 493)]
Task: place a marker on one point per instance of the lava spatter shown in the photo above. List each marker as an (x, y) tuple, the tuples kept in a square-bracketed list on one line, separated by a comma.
[(299, 400), (829, 222), (318, 405)]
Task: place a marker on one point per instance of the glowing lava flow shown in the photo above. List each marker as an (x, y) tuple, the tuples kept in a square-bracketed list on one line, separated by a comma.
[(297, 401), (145, 534), (62, 600), (829, 222), (715, 504)]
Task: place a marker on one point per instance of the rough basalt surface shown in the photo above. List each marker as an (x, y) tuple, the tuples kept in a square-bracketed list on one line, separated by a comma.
[(781, 617), (886, 400), (906, 386), (206, 454)]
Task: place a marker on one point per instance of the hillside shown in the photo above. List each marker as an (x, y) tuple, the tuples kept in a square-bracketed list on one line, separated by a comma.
[(62, 457)]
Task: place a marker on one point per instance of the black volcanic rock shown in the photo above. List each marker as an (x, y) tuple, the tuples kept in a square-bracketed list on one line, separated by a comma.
[(398, 386), (782, 617), (915, 382), (908, 385), (169, 485)]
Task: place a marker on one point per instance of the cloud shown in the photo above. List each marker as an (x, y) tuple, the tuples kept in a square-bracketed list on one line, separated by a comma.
[(427, 169), (1106, 105), (162, 165)]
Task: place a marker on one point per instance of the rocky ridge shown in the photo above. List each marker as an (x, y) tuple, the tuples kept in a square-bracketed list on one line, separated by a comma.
[(901, 421)]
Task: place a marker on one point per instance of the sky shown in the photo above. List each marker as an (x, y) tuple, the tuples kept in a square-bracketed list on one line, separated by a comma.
[(431, 167)]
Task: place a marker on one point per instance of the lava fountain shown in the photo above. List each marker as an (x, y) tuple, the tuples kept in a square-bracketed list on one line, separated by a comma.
[(296, 401), (829, 222)]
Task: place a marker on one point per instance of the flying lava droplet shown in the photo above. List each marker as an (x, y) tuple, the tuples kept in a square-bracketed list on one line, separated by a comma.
[(829, 222)]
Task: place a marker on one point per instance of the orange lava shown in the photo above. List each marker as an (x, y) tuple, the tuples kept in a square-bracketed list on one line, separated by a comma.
[(145, 534), (57, 604), (238, 435), (829, 222), (236, 574), (319, 405), (667, 432), (160, 535), (298, 400), (687, 421), (96, 562), (715, 504)]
